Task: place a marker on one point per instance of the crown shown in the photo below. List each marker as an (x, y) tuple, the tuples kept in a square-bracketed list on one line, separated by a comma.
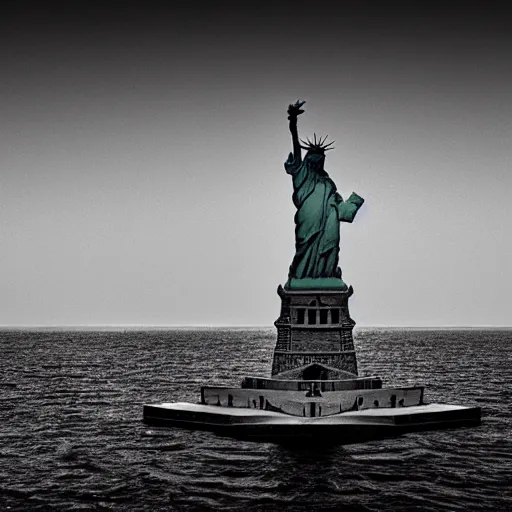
[(317, 146)]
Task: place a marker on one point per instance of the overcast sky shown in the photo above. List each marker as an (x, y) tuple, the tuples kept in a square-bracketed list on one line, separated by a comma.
[(142, 151)]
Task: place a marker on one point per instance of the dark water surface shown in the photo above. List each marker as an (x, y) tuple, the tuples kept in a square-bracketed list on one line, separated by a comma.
[(71, 435)]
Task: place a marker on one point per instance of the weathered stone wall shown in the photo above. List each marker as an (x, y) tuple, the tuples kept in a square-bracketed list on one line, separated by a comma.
[(306, 340), (314, 326), (347, 342), (304, 385), (287, 361), (283, 338), (297, 403)]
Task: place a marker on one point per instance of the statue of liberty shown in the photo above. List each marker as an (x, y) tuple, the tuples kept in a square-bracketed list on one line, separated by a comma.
[(320, 209)]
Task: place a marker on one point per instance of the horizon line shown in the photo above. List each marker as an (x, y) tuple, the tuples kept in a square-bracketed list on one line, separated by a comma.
[(233, 326)]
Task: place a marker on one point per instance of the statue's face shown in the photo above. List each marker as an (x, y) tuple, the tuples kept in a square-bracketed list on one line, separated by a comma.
[(315, 161)]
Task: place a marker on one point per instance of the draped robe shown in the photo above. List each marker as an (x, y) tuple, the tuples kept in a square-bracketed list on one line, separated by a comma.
[(320, 209)]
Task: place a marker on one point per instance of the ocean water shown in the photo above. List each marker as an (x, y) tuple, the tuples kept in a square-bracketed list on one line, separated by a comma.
[(72, 437)]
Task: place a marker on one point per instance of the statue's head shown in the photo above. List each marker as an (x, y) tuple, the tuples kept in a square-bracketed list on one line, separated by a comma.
[(315, 156), (315, 161)]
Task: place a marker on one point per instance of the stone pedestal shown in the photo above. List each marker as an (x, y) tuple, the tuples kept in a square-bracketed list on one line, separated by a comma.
[(314, 335), (314, 392)]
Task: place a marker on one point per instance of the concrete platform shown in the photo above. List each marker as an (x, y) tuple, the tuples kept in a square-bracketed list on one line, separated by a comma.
[(344, 428)]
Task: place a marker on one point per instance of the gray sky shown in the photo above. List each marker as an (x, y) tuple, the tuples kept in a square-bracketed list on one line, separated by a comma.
[(141, 169)]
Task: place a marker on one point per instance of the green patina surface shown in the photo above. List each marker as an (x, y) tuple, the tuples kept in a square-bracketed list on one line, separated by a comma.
[(320, 209), (309, 283)]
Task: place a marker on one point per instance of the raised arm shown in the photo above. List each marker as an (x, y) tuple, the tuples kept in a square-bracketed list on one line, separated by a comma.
[(293, 112)]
